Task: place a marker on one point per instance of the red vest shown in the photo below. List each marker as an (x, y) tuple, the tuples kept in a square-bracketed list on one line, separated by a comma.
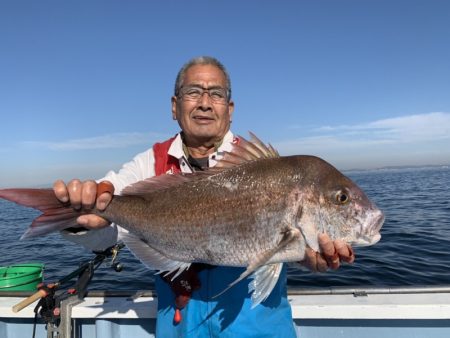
[(165, 163)]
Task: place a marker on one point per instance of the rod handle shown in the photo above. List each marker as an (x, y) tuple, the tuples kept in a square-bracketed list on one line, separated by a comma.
[(27, 301)]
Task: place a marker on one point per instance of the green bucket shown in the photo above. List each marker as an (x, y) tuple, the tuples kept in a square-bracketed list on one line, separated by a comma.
[(21, 277)]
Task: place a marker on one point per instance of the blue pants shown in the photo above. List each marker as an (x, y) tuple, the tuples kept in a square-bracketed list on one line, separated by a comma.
[(229, 315)]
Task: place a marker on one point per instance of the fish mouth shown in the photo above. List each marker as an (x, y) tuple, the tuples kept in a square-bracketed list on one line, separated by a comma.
[(370, 233), (377, 223), (367, 240)]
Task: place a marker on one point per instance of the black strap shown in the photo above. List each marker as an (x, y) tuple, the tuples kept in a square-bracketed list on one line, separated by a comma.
[(198, 164)]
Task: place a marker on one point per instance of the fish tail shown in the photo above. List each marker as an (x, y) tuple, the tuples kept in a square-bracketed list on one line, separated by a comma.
[(55, 214)]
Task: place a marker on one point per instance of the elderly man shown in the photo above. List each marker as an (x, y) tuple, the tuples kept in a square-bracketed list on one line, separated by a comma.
[(203, 107)]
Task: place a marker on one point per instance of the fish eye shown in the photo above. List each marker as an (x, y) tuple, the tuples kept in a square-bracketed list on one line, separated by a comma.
[(342, 197)]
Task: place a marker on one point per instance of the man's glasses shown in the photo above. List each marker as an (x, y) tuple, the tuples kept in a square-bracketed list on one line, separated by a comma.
[(195, 93)]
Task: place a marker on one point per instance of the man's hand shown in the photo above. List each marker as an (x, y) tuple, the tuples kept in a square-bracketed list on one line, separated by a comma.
[(331, 255), (84, 196)]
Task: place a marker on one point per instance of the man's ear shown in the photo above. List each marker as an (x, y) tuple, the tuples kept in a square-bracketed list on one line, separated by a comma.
[(231, 109), (174, 107)]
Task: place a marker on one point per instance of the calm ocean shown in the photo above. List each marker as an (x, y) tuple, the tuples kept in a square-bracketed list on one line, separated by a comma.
[(414, 248)]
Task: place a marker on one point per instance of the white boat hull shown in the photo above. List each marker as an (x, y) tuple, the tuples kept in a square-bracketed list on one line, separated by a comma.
[(367, 313)]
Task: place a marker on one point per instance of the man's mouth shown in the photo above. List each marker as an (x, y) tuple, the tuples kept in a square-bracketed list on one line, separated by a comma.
[(202, 119)]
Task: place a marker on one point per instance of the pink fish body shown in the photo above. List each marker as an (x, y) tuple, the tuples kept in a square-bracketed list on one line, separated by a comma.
[(255, 209)]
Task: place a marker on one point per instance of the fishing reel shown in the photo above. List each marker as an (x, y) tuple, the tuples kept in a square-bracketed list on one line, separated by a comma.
[(117, 266), (113, 252)]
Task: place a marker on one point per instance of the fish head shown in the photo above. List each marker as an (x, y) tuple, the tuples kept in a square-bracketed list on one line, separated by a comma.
[(351, 215), (338, 207)]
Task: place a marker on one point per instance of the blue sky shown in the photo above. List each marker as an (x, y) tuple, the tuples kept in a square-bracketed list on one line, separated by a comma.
[(86, 85)]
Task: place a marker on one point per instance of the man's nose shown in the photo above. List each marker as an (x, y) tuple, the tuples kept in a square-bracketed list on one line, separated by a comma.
[(205, 100)]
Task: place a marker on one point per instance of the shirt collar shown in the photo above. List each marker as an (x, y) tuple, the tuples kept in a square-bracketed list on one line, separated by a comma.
[(176, 148)]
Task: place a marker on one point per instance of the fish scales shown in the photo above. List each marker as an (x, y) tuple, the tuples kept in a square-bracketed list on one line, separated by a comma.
[(206, 221)]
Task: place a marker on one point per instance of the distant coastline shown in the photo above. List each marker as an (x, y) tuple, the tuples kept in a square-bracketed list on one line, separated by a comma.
[(401, 167)]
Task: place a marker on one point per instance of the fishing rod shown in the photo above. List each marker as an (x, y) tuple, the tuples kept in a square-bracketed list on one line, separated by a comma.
[(49, 304)]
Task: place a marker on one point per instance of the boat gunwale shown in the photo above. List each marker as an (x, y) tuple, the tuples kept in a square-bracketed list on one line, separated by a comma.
[(292, 291)]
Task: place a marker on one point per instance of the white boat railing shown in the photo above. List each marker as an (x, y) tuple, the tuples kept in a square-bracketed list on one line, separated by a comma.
[(369, 290), (317, 312)]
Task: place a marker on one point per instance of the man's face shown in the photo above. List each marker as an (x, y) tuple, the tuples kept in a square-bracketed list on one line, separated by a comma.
[(204, 120)]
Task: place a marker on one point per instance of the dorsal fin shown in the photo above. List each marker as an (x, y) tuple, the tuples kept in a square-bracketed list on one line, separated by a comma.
[(268, 150), (246, 151), (242, 152)]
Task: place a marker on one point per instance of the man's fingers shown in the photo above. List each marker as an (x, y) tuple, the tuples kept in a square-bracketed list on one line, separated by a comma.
[(74, 187), (105, 192), (91, 221), (329, 253), (326, 245), (344, 251), (351, 257), (335, 252), (330, 256), (314, 261), (103, 200), (310, 260), (88, 194), (60, 189), (322, 264)]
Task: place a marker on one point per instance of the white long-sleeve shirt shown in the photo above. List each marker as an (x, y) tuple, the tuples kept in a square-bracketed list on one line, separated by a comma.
[(141, 167)]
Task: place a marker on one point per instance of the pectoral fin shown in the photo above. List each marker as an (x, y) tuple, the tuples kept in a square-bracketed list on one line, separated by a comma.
[(264, 280), (151, 257), (310, 234), (266, 276)]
